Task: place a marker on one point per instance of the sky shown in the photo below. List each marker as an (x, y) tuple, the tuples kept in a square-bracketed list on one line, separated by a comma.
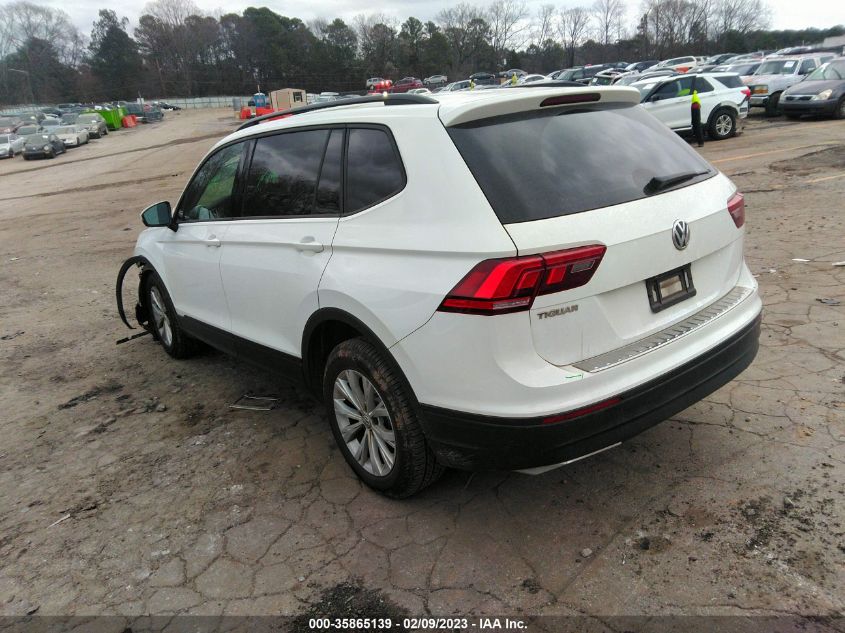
[(786, 14)]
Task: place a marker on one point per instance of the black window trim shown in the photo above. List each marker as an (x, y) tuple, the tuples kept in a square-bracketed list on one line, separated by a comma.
[(236, 192), (396, 153), (246, 163)]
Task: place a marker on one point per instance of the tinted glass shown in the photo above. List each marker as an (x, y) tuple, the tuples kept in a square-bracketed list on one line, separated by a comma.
[(282, 178), (831, 70), (731, 81), (328, 190), (4, 138), (373, 169), (678, 88), (210, 194), (548, 163), (702, 85), (807, 66)]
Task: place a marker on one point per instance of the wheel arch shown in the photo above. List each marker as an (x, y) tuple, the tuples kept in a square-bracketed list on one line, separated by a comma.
[(721, 106), (327, 328)]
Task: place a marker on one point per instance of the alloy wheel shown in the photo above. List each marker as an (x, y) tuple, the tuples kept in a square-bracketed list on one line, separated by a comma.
[(364, 422), (160, 318), (724, 125)]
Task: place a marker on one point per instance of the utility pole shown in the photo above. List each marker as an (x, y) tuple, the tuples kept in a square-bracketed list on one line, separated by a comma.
[(28, 82)]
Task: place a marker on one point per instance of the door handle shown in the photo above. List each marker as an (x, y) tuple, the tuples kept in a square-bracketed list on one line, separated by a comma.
[(309, 244), (212, 240)]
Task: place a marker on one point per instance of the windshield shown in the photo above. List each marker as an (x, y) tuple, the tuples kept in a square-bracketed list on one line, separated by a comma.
[(777, 67), (37, 138), (27, 129), (65, 130), (559, 161), (88, 118), (831, 70), (3, 139)]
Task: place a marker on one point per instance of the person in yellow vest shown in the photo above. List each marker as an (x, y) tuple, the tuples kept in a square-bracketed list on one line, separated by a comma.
[(514, 79), (472, 84), (695, 111)]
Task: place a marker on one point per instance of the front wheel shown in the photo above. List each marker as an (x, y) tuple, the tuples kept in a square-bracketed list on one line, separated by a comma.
[(722, 125), (374, 421), (162, 322), (773, 105), (840, 109)]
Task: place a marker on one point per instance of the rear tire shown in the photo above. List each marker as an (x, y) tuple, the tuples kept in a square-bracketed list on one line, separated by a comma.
[(163, 323), (373, 417), (722, 125)]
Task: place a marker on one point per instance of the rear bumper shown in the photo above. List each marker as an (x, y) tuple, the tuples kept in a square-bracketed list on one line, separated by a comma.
[(476, 442)]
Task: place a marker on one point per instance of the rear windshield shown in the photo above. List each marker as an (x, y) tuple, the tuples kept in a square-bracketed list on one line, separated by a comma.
[(731, 81), (543, 164)]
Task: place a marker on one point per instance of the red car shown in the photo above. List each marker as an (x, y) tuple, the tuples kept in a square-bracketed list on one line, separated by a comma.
[(407, 83)]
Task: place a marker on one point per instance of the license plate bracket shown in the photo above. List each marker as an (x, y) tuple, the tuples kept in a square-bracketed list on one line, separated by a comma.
[(670, 288)]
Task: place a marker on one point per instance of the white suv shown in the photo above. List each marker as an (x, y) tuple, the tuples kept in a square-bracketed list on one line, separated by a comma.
[(724, 101), (580, 279)]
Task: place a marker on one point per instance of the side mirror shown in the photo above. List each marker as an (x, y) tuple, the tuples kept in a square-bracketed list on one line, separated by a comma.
[(159, 214)]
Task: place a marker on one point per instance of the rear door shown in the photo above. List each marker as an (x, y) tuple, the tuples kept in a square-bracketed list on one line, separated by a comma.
[(573, 177), (275, 253)]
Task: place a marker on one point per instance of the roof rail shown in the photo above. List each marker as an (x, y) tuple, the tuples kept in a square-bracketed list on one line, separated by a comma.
[(386, 98)]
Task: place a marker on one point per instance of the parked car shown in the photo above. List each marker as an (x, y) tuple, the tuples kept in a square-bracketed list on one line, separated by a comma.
[(679, 64), (419, 91), (456, 85), (627, 80), (372, 81), (822, 92), (775, 75), (717, 60), (743, 69), (51, 122), (581, 75), (484, 79), (69, 118), (9, 124), (26, 130), (11, 144), (166, 106), (407, 83), (490, 328), (641, 66), (323, 97), (507, 74), (43, 145), (527, 79), (435, 81), (72, 135), (94, 123), (606, 77), (724, 102)]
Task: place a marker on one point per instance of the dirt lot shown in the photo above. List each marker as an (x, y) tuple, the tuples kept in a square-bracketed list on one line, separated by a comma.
[(127, 485)]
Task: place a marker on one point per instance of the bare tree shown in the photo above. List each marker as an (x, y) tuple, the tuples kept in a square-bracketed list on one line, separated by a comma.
[(509, 25), (573, 27), (461, 24), (21, 21), (742, 16), (609, 16), (544, 24)]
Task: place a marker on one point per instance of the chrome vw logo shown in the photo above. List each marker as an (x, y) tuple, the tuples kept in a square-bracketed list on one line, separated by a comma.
[(680, 234)]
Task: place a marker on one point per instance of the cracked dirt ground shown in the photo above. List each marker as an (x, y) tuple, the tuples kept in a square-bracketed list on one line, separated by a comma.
[(127, 485)]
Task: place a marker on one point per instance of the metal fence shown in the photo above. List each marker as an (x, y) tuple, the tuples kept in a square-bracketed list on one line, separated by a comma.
[(186, 103)]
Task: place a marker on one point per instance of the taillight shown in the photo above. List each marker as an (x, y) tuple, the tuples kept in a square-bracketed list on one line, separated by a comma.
[(736, 207), (500, 286), (746, 91)]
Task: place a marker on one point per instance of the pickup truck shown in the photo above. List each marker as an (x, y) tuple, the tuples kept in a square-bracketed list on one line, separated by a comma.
[(777, 73)]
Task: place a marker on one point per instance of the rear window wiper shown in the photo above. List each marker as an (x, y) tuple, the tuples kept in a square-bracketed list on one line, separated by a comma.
[(662, 183)]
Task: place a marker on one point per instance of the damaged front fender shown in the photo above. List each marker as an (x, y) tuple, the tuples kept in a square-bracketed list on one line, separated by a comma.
[(140, 311)]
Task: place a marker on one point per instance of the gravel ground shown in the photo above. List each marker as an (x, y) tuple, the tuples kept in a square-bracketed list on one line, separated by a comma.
[(128, 486)]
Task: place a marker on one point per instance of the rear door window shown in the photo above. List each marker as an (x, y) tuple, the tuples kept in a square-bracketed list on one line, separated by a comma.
[(282, 179), (373, 168), (559, 161)]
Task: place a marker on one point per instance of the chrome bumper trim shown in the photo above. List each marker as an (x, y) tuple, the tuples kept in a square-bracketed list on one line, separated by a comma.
[(666, 336)]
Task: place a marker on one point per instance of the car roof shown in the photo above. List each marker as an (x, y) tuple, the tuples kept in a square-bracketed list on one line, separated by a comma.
[(453, 108)]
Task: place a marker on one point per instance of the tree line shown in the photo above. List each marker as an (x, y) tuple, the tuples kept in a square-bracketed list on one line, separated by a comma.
[(176, 50)]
